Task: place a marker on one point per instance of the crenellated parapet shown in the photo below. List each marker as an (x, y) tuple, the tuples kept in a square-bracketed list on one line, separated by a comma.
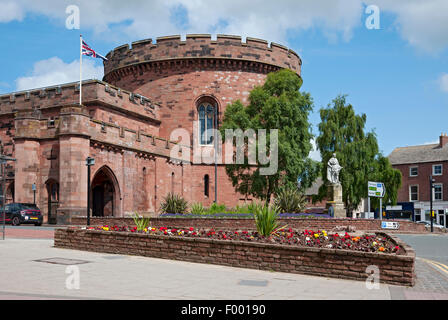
[(225, 51)]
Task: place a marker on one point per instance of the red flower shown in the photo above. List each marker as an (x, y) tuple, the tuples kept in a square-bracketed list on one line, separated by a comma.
[(191, 229)]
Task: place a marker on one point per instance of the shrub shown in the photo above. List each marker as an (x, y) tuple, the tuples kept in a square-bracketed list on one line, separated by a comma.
[(197, 208), (216, 208), (290, 201), (266, 220), (174, 203)]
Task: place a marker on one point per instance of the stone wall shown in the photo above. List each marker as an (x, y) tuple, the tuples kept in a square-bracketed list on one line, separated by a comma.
[(394, 269), (245, 223)]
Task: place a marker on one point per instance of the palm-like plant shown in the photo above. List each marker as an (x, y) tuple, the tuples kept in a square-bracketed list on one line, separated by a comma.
[(290, 201), (174, 203), (197, 208), (266, 220)]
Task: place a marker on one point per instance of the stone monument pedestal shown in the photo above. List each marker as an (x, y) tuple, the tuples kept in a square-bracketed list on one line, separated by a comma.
[(335, 201)]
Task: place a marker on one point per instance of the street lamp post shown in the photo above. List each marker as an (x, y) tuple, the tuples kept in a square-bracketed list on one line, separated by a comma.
[(215, 139), (431, 187), (89, 162), (33, 187)]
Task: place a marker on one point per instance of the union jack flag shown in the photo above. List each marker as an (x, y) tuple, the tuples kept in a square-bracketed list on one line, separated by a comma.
[(87, 51)]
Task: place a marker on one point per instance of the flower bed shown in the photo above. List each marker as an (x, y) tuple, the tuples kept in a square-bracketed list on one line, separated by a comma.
[(307, 238), (305, 252), (226, 215)]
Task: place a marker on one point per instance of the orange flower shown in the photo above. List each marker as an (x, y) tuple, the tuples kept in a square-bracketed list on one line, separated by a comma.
[(381, 249)]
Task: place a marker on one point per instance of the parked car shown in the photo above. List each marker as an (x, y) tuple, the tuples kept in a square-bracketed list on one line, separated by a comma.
[(428, 224), (17, 213)]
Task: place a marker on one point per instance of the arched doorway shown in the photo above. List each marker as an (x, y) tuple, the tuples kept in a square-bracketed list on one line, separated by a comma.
[(52, 199), (9, 197), (105, 193)]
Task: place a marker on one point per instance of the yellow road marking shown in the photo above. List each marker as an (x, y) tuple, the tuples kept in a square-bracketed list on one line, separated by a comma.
[(437, 264)]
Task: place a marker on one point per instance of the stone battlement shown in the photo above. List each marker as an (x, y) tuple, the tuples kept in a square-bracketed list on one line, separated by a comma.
[(201, 46), (94, 92)]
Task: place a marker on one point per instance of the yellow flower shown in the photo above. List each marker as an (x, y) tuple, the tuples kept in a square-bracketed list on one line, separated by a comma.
[(316, 235), (106, 228)]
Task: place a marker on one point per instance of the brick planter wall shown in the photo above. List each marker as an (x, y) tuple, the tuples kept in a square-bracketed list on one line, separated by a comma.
[(394, 269), (245, 223)]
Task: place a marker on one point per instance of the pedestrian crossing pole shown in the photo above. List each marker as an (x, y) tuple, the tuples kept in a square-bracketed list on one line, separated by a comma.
[(431, 186)]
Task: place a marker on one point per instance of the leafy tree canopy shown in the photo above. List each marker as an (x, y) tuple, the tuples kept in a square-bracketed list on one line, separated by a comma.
[(278, 104), (341, 131)]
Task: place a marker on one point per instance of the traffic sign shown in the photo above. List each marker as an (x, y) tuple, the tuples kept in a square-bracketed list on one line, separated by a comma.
[(376, 189), (390, 225)]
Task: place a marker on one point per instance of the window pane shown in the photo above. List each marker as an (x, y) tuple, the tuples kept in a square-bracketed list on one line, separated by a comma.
[(202, 124), (210, 118)]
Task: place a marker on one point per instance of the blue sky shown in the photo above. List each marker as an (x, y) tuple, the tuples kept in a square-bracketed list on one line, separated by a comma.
[(396, 75)]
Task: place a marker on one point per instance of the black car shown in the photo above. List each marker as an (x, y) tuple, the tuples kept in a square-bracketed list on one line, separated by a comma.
[(17, 213)]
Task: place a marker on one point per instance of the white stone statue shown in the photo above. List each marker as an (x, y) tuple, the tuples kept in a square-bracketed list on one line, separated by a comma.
[(333, 169)]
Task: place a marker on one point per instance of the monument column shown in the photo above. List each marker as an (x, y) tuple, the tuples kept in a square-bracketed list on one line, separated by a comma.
[(335, 189), (74, 146)]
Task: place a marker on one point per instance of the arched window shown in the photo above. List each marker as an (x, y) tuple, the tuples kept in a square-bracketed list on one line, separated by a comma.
[(206, 123), (206, 185), (172, 182)]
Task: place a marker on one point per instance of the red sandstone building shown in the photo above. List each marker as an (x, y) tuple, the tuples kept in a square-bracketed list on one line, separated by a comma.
[(416, 164), (126, 123)]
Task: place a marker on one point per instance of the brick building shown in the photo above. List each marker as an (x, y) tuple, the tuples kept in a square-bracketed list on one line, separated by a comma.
[(416, 164), (128, 122)]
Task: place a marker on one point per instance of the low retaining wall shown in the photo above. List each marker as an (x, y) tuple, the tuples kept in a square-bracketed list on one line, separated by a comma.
[(246, 223), (346, 264)]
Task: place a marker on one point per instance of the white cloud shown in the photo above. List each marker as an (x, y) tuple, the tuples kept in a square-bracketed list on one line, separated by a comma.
[(256, 18), (421, 23), (443, 82), (10, 11), (54, 71)]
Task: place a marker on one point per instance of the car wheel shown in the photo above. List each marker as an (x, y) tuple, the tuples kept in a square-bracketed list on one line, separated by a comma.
[(15, 221)]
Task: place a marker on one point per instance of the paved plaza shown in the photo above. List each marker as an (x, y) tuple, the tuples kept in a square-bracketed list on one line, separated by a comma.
[(31, 268)]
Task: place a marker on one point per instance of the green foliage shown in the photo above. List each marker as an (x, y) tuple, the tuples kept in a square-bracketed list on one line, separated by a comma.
[(290, 200), (391, 179), (141, 222), (174, 203), (216, 208), (342, 132), (277, 104), (197, 208), (266, 220)]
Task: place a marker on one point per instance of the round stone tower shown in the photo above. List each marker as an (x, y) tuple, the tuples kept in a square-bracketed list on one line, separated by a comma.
[(180, 75)]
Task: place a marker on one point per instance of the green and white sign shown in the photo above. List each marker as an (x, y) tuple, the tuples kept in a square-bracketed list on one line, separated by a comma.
[(376, 189)]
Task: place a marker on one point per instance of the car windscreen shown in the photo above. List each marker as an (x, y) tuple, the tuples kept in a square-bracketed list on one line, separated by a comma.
[(29, 206)]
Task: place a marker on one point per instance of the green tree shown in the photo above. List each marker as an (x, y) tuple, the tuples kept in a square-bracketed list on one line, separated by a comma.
[(277, 104), (391, 179), (341, 131)]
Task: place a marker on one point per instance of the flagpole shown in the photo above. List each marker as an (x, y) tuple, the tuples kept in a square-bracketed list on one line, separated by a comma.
[(80, 69)]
